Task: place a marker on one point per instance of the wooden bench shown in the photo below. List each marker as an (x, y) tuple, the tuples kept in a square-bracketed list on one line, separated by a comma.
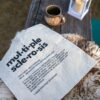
[(72, 25)]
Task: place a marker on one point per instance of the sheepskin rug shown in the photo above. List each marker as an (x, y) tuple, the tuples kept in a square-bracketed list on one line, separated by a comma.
[(88, 88)]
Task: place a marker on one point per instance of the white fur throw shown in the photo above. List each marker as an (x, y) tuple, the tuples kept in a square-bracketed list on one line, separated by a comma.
[(88, 88)]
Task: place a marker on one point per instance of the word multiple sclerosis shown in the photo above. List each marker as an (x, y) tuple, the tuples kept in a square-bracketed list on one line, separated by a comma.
[(25, 49)]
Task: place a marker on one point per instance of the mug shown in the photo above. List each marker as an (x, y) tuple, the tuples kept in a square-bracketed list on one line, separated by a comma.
[(53, 15)]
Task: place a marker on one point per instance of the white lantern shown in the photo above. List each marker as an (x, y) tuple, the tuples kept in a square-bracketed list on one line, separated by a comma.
[(79, 8)]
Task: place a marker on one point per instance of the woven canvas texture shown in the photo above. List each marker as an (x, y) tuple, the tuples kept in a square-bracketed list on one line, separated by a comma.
[(88, 88)]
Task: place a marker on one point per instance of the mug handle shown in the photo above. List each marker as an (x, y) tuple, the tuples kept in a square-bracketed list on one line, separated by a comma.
[(63, 19)]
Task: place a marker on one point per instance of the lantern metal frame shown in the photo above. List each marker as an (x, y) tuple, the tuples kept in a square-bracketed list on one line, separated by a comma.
[(79, 15)]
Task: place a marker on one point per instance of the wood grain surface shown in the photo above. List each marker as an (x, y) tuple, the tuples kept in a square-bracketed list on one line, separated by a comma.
[(72, 25)]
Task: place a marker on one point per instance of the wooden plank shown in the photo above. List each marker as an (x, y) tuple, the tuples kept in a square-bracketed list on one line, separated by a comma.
[(41, 14), (38, 7), (64, 6), (32, 13), (43, 5), (72, 25), (87, 26)]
